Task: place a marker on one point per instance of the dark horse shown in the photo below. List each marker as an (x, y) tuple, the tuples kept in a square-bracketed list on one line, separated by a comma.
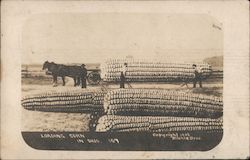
[(78, 73)]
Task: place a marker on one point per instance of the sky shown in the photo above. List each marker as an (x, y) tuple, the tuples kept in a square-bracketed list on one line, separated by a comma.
[(94, 37)]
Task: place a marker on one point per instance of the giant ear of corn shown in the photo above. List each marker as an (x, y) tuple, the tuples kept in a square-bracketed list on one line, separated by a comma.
[(71, 101), (159, 102), (115, 123), (149, 70)]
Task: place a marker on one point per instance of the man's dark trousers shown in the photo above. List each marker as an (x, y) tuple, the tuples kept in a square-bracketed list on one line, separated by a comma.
[(123, 79), (197, 79)]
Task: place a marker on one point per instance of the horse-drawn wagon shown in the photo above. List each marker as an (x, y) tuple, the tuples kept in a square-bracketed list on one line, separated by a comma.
[(139, 71)]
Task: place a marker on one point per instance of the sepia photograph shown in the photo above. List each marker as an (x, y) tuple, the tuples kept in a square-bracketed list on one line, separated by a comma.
[(122, 81)]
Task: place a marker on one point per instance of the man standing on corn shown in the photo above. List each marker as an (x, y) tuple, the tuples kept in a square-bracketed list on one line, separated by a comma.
[(197, 76), (123, 75)]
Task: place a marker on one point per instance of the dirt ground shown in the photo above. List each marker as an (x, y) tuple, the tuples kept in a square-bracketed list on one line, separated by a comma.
[(49, 121)]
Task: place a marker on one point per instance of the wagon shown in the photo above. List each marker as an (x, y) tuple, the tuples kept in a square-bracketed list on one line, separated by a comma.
[(93, 76), (144, 71)]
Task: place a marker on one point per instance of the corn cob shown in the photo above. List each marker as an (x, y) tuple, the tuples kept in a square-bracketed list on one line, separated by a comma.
[(161, 103), (73, 101), (114, 123), (148, 70)]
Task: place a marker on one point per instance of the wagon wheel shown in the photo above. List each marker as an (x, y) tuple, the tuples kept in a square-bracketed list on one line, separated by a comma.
[(94, 78)]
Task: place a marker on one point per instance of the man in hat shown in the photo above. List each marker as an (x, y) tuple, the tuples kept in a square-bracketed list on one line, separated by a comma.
[(197, 76), (83, 77), (123, 75)]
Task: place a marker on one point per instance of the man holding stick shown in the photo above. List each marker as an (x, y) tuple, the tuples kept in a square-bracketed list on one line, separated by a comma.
[(123, 75), (197, 76)]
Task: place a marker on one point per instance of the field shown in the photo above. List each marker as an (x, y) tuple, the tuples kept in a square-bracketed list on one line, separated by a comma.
[(35, 81)]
